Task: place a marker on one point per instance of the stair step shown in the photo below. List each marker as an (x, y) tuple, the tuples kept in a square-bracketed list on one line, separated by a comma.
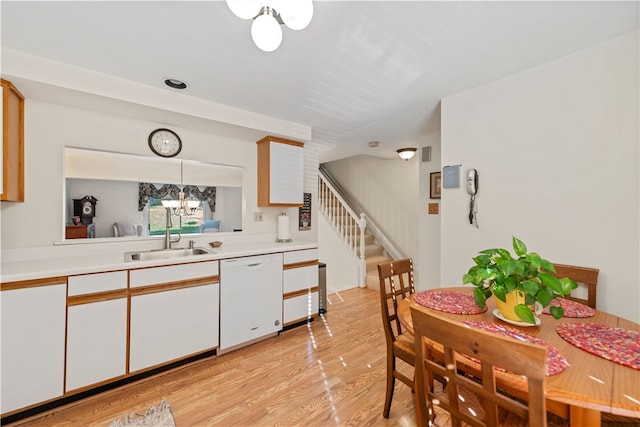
[(373, 249)]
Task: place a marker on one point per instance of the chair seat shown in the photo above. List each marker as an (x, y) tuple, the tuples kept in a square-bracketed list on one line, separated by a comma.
[(404, 342)]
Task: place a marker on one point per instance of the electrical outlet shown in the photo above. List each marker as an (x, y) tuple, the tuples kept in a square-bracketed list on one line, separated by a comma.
[(257, 217)]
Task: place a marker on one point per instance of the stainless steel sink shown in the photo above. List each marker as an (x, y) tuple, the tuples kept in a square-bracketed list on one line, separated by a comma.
[(164, 254)]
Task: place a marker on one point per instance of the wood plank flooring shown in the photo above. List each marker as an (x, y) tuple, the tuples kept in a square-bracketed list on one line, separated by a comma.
[(329, 372)]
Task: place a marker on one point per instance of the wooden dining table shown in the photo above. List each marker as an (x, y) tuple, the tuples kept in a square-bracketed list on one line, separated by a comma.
[(589, 386)]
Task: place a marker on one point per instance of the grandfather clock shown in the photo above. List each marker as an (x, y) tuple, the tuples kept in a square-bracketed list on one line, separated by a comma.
[(85, 208)]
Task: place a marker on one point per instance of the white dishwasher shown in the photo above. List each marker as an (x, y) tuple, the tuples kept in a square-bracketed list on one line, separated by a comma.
[(250, 299)]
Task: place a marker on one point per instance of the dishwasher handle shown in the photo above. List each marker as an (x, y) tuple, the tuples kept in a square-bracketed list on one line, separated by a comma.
[(255, 265)]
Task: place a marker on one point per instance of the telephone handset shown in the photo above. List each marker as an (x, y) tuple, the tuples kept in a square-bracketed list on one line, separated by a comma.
[(472, 189), (472, 182)]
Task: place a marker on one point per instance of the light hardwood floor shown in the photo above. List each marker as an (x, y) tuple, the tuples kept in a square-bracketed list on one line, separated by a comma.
[(329, 372)]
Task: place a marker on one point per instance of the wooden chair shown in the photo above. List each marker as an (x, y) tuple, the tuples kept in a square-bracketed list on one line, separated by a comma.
[(586, 275), (396, 282), (491, 350)]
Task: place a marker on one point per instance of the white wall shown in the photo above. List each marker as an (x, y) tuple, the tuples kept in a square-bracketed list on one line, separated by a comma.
[(342, 265), (556, 148), (428, 262)]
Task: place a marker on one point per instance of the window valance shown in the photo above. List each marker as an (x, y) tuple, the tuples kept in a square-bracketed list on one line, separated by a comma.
[(146, 190)]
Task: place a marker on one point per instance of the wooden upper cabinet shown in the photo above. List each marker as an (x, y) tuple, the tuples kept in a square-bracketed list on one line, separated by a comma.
[(280, 172), (12, 143)]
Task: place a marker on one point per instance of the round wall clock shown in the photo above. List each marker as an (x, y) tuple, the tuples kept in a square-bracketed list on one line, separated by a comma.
[(165, 142)]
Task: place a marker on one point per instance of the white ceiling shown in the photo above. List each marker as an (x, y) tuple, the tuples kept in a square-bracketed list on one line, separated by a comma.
[(361, 71)]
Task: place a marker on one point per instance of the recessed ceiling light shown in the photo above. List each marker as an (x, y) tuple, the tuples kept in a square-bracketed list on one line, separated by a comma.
[(175, 83)]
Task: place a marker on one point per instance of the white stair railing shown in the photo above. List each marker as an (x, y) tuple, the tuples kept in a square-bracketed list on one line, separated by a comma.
[(346, 222)]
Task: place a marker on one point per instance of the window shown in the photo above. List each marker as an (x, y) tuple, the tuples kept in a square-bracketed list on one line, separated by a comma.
[(180, 224)]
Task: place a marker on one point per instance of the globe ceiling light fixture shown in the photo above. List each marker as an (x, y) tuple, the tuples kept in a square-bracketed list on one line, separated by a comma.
[(406, 153), (182, 206), (268, 15)]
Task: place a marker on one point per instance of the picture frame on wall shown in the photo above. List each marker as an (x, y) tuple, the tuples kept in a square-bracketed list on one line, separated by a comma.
[(435, 186)]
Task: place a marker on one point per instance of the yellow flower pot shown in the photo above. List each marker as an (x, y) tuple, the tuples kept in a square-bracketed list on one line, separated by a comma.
[(506, 308)]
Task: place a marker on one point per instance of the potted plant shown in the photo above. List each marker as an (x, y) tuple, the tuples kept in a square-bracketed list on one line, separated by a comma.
[(528, 276)]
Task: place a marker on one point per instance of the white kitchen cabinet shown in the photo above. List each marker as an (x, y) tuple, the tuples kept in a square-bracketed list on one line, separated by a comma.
[(300, 286), (250, 299), (174, 313), (96, 329), (33, 331), (280, 172)]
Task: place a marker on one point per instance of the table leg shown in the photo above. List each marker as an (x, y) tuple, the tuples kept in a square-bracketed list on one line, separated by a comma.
[(584, 417)]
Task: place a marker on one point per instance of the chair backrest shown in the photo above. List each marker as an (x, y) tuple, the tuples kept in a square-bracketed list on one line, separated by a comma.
[(587, 276), (491, 351), (396, 282), (125, 228), (211, 226)]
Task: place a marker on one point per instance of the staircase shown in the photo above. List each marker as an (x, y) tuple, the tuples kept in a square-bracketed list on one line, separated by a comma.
[(354, 233), (374, 254)]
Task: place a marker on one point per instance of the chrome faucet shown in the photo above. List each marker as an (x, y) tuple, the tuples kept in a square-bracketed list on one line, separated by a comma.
[(167, 232)]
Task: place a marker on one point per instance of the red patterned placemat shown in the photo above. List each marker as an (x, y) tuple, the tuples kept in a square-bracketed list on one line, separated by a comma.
[(555, 362), (616, 344), (571, 308), (449, 301)]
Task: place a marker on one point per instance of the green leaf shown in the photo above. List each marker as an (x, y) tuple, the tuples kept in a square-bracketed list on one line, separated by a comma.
[(510, 284), (467, 278), (567, 285), (551, 281), (544, 296), (524, 313), (479, 297), (482, 260), (547, 266), (535, 260), (530, 286), (504, 254), (508, 267), (518, 246), (556, 312), (499, 292)]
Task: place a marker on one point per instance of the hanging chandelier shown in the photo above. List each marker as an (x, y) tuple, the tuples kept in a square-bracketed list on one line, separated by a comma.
[(268, 15), (183, 206)]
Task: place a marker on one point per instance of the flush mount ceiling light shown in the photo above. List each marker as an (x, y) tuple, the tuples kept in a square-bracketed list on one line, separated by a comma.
[(407, 153), (268, 15)]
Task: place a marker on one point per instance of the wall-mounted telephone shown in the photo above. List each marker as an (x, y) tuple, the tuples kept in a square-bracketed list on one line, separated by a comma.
[(472, 189), (472, 182)]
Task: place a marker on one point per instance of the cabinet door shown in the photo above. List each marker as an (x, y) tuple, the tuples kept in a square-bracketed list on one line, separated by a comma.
[(33, 331), (169, 325), (96, 342), (12, 143), (301, 307), (280, 172)]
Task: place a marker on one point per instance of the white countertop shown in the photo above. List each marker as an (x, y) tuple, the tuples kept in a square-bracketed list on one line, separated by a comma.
[(31, 269)]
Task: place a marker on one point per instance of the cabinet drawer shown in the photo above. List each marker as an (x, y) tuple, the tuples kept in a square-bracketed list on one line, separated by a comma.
[(294, 257), (172, 273), (300, 308), (99, 282), (299, 278)]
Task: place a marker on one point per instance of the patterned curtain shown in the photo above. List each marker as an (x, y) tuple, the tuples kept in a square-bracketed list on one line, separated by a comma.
[(147, 190)]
